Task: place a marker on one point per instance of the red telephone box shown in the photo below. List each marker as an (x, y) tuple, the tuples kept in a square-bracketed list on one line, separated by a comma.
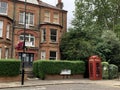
[(95, 68)]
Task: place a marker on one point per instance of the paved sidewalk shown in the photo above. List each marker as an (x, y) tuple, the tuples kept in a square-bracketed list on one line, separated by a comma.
[(36, 82)]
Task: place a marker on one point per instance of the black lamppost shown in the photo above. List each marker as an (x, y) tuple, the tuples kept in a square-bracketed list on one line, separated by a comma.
[(23, 55)]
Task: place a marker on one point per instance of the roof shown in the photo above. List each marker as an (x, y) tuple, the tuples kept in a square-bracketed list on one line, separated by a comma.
[(41, 4), (30, 1)]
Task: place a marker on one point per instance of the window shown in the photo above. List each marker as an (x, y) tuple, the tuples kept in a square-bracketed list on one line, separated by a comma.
[(29, 39), (53, 35), (43, 35), (0, 52), (29, 18), (1, 28), (3, 8), (8, 31), (43, 55), (6, 53), (53, 55), (47, 16), (56, 18)]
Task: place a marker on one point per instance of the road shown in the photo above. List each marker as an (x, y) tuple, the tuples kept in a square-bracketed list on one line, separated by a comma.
[(68, 87)]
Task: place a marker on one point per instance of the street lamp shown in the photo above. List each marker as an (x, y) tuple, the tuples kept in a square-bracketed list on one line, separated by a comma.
[(24, 55)]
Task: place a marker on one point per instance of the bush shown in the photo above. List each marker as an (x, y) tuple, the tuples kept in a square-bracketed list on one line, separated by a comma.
[(113, 71), (42, 67), (9, 67), (105, 70)]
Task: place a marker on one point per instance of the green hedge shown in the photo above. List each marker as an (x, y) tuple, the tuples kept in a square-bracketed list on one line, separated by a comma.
[(109, 71), (105, 70), (113, 71), (43, 67), (9, 67)]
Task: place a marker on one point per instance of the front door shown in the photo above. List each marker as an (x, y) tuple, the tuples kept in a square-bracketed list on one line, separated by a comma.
[(29, 58)]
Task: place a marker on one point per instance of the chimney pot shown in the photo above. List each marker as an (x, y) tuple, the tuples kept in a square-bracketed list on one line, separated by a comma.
[(59, 1), (60, 4)]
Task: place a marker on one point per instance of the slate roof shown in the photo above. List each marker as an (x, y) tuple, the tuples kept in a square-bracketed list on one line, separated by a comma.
[(41, 3)]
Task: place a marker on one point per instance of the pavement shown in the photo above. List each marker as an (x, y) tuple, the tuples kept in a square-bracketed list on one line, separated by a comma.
[(37, 82)]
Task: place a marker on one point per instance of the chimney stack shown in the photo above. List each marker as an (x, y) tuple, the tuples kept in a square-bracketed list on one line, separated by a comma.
[(60, 4), (39, 1)]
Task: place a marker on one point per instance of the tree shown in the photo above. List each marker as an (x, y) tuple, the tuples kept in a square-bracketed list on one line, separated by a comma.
[(96, 26)]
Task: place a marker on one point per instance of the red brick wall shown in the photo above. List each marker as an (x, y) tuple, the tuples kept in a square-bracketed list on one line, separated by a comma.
[(37, 33)]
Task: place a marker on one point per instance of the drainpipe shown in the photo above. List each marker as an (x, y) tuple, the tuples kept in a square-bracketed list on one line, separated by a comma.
[(13, 28), (39, 25)]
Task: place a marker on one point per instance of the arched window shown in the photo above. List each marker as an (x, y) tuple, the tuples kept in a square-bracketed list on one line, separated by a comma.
[(29, 39)]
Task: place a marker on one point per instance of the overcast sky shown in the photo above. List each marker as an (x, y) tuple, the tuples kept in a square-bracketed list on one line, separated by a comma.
[(68, 5)]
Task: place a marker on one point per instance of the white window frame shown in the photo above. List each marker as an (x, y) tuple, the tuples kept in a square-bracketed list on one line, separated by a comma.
[(54, 58), (28, 41), (56, 18), (43, 35), (53, 35), (28, 21), (8, 31), (43, 55), (1, 28), (47, 16), (4, 7), (6, 53)]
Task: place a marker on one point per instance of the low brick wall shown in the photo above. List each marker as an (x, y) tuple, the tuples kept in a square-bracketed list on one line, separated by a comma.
[(12, 79), (57, 77)]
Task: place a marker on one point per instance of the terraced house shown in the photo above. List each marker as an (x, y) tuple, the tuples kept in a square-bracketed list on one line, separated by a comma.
[(38, 23)]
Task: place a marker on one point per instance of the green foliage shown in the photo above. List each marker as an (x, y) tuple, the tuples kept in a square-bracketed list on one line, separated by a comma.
[(113, 71), (9, 67), (35, 68), (55, 67), (105, 70), (95, 31)]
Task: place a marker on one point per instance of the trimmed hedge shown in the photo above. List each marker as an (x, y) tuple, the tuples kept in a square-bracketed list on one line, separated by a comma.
[(43, 67), (109, 71), (9, 67), (113, 71), (105, 70)]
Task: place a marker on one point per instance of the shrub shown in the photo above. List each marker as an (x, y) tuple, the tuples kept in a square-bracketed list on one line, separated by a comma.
[(42, 67), (105, 70), (9, 67), (113, 71)]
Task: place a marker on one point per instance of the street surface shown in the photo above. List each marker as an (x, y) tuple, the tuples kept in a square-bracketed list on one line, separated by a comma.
[(81, 86)]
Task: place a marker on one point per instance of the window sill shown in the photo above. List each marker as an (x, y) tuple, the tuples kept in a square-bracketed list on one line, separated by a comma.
[(3, 13), (43, 42), (53, 42), (8, 39), (1, 37)]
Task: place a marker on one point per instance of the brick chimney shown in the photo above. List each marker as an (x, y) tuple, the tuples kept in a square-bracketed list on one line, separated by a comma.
[(60, 4), (39, 1)]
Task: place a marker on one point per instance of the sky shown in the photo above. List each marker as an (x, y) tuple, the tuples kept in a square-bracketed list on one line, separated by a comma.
[(68, 6)]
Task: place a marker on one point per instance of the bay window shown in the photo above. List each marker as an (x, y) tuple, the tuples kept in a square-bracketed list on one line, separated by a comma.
[(1, 28), (43, 55), (8, 31), (53, 35), (53, 55), (43, 35), (29, 40), (6, 53)]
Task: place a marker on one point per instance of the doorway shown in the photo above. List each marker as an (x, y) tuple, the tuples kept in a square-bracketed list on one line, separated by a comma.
[(28, 61)]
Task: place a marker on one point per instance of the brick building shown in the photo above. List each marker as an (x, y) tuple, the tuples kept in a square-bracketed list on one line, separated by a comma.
[(39, 23)]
